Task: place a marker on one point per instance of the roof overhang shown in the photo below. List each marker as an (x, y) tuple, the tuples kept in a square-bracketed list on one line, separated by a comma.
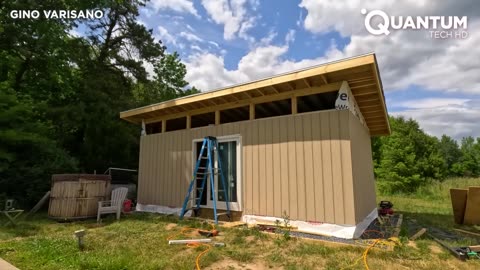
[(360, 72)]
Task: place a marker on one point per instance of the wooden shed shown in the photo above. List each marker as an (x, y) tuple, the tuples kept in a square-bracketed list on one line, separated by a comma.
[(296, 143)]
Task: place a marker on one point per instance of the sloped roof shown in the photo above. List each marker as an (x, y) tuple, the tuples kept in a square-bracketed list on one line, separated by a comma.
[(360, 72)]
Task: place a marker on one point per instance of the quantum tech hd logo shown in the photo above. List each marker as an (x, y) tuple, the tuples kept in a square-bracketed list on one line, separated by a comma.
[(378, 22)]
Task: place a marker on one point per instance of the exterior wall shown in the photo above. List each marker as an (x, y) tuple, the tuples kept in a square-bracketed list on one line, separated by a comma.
[(300, 164), (362, 165)]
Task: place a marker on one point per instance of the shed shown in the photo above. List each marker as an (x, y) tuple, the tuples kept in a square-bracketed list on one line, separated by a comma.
[(295, 144)]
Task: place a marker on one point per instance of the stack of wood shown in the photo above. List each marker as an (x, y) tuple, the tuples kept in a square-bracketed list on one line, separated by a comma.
[(466, 205)]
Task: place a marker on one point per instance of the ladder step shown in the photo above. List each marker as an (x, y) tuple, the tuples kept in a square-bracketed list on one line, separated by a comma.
[(221, 214)]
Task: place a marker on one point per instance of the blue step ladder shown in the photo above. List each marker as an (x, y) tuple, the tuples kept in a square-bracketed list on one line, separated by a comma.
[(194, 195)]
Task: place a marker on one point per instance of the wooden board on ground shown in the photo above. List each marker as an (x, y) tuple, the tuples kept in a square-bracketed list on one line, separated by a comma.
[(472, 213), (418, 234), (468, 232), (233, 224), (39, 204), (398, 226), (4, 265), (459, 200)]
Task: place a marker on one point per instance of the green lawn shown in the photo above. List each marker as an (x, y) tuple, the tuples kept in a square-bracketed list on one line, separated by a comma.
[(139, 241)]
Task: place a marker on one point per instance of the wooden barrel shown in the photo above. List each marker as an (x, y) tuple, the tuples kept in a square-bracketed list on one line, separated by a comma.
[(76, 196)]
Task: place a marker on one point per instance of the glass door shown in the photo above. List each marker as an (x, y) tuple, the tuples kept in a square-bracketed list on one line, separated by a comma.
[(228, 156), (229, 152)]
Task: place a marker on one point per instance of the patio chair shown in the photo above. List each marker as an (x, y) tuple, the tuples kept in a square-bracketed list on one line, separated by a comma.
[(114, 205)]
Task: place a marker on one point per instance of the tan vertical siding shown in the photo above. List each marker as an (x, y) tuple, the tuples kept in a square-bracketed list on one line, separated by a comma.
[(309, 176), (318, 169), (285, 189), (262, 162), (362, 167), (292, 172), (276, 167), (327, 167), (347, 177), (141, 169), (269, 167), (300, 164), (247, 171), (300, 168)]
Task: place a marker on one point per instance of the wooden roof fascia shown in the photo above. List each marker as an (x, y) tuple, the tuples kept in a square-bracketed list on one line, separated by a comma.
[(319, 70), (380, 92)]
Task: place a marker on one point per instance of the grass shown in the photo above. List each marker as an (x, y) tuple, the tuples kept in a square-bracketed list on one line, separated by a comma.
[(139, 241)]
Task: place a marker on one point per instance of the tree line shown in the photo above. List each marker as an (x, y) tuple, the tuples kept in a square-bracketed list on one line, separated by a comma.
[(61, 93), (410, 158)]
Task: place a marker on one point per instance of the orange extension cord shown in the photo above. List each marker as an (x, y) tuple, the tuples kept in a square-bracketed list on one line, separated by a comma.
[(193, 245), (365, 253)]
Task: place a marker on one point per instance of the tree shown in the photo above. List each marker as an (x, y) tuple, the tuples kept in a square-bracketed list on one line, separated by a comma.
[(450, 151), (469, 164), (168, 83), (408, 158), (28, 156), (70, 89)]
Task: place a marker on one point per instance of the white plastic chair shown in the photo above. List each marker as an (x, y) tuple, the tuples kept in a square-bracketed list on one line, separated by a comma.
[(115, 205)]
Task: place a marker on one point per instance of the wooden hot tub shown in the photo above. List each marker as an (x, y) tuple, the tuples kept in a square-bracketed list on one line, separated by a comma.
[(76, 196)]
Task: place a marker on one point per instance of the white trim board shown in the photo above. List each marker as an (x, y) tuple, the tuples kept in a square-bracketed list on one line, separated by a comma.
[(327, 229)]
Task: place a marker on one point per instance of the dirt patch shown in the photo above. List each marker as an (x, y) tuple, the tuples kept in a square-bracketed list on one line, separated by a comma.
[(170, 226), (412, 244), (95, 225), (436, 249), (233, 265), (250, 239)]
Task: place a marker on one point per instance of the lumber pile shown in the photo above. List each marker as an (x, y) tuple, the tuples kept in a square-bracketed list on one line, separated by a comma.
[(466, 205)]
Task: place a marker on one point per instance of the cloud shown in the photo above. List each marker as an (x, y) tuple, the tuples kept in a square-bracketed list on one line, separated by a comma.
[(214, 43), (233, 15), (268, 39), (433, 103), (74, 32), (457, 120), (207, 71), (165, 36), (190, 37), (184, 6), (300, 18), (406, 57), (290, 37)]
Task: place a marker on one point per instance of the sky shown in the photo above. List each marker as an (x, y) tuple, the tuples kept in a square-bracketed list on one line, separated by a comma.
[(225, 42)]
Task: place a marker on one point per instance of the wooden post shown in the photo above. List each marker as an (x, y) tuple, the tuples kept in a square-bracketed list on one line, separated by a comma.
[(294, 105), (189, 121), (164, 126), (217, 117), (252, 111)]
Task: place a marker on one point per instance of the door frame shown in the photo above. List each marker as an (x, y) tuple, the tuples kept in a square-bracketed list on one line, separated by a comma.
[(234, 206)]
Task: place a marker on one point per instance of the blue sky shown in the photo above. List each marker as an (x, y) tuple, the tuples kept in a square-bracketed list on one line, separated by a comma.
[(224, 42)]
